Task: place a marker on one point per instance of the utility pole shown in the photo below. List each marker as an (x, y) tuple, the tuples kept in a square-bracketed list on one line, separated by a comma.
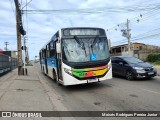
[(128, 37), (6, 43), (18, 21), (126, 33)]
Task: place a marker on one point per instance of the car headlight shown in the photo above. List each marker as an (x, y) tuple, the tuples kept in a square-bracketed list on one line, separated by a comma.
[(138, 68), (68, 71)]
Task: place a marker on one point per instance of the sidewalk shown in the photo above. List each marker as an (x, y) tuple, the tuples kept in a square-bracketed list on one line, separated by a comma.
[(23, 93), (158, 69), (27, 93)]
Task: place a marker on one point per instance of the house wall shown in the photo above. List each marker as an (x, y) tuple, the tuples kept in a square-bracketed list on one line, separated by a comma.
[(139, 50)]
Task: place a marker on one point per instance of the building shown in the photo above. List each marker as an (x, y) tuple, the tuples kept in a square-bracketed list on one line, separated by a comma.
[(12, 54), (138, 50)]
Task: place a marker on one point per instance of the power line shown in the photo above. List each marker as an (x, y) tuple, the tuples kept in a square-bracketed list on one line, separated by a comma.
[(140, 18), (12, 7), (97, 10), (26, 4), (137, 37), (146, 17), (27, 16), (142, 38), (146, 37)]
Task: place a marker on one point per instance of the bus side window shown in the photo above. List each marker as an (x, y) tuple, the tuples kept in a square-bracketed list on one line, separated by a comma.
[(47, 51), (40, 57), (43, 54), (52, 49)]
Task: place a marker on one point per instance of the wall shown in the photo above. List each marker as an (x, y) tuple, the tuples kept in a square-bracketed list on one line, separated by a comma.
[(143, 54)]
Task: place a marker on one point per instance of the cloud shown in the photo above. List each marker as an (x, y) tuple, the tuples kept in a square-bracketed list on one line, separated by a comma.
[(41, 27)]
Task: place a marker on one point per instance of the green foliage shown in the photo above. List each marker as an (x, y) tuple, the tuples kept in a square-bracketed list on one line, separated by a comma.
[(153, 57), (29, 64), (156, 63)]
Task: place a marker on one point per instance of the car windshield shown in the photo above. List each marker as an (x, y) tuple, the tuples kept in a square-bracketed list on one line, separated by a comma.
[(85, 49), (132, 60)]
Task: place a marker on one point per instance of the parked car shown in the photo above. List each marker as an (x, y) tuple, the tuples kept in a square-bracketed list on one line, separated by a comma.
[(132, 68)]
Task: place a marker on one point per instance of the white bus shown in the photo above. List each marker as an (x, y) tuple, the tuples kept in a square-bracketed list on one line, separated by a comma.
[(77, 56)]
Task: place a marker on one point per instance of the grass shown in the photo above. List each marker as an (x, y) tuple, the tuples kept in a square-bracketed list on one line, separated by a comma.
[(156, 63), (29, 64)]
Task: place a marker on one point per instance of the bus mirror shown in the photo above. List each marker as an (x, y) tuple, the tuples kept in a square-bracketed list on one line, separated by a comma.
[(58, 47)]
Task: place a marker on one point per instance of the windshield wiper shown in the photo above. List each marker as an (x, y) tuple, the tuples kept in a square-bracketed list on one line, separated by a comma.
[(94, 42), (81, 43)]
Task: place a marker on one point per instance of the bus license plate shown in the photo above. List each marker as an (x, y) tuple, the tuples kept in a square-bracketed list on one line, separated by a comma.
[(92, 80)]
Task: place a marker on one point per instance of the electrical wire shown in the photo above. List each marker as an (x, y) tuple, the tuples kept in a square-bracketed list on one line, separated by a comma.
[(97, 10), (12, 8), (147, 16), (139, 36), (26, 4)]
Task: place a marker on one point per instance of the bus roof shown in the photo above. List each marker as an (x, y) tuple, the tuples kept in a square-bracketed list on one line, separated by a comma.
[(69, 28)]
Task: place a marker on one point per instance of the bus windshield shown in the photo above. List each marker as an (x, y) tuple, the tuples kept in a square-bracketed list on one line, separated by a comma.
[(85, 49)]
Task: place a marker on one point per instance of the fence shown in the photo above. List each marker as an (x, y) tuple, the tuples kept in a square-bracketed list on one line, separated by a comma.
[(7, 63)]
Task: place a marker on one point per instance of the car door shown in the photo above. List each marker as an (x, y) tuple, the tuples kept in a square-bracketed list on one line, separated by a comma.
[(114, 67), (122, 67), (119, 67)]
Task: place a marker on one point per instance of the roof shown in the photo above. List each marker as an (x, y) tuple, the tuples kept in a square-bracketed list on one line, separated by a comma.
[(122, 56), (126, 44), (82, 28)]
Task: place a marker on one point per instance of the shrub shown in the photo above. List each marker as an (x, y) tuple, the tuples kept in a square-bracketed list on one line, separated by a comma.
[(153, 57)]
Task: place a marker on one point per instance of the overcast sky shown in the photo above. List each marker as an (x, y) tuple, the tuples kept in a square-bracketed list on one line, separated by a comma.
[(108, 14)]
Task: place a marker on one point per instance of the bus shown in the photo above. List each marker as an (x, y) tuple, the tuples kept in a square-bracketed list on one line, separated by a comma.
[(77, 56)]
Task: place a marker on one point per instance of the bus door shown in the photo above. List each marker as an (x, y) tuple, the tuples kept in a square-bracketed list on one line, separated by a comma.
[(45, 61), (40, 59), (59, 65)]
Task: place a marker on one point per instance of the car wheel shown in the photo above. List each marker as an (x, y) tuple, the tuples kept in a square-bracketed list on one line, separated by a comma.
[(129, 75)]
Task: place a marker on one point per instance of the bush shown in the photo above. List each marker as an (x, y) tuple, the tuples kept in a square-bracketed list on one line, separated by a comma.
[(153, 57), (156, 63)]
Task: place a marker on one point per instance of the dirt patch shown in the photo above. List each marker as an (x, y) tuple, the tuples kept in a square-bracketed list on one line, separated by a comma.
[(21, 90), (132, 95), (97, 103)]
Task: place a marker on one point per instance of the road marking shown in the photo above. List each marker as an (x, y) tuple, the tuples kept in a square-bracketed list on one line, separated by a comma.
[(151, 91)]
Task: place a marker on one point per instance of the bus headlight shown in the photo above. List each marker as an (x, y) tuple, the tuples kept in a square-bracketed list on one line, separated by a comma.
[(68, 71)]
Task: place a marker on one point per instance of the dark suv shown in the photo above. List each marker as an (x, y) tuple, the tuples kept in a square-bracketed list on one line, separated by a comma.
[(132, 68)]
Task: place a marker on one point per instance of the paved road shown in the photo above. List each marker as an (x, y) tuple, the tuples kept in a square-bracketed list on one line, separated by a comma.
[(117, 94)]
